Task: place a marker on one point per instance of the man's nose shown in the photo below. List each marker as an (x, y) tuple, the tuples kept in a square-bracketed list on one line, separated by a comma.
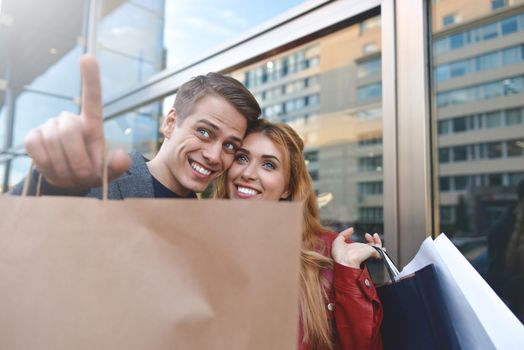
[(212, 153)]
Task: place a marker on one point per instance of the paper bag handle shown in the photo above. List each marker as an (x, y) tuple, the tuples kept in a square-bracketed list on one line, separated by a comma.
[(389, 264), (29, 177)]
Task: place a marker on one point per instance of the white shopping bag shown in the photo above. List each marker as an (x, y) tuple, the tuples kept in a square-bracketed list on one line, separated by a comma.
[(479, 316)]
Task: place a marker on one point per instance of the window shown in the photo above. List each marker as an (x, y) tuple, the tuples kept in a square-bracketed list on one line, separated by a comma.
[(368, 68), (369, 24), (461, 182), (513, 117), (489, 61), (459, 69), (497, 4), (447, 214), (489, 31), (370, 188), (460, 153), (442, 72), (478, 89), (511, 55), (369, 48), (311, 156), (494, 150), (372, 163), (444, 155), (510, 25), (495, 179), (515, 178), (371, 214), (444, 184), (457, 41), (493, 120), (488, 90), (449, 19), (444, 127), (367, 92), (459, 124), (515, 148)]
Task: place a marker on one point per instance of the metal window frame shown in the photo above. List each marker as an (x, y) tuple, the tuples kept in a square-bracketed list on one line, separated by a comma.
[(417, 190)]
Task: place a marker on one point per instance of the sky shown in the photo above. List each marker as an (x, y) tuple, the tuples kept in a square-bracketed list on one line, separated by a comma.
[(193, 28)]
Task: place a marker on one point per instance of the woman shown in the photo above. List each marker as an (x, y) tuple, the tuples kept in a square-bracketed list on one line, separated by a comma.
[(339, 307)]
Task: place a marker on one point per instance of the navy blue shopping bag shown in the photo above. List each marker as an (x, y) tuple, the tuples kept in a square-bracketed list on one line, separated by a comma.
[(415, 313)]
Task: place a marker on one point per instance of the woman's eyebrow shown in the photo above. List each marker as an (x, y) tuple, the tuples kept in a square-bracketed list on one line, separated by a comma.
[(270, 156)]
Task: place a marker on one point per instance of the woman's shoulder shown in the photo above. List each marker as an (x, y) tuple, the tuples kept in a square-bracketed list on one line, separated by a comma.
[(327, 238)]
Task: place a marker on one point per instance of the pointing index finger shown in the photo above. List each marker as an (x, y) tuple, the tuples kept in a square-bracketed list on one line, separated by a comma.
[(91, 97)]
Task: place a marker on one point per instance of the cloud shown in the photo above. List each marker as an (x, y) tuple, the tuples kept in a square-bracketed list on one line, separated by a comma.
[(233, 18), (202, 24)]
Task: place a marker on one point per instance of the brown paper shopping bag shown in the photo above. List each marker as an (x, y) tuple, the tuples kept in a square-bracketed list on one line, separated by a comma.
[(79, 273)]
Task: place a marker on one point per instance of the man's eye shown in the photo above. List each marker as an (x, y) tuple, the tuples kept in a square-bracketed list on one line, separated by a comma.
[(269, 165), (203, 132), (230, 147)]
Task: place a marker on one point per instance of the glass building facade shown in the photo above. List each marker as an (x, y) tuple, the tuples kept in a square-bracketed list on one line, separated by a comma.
[(411, 112)]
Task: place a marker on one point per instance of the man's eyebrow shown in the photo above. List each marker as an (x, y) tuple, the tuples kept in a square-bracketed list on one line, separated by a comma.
[(215, 127), (207, 122)]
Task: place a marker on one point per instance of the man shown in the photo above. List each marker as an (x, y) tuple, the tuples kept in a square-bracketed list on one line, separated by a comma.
[(202, 132)]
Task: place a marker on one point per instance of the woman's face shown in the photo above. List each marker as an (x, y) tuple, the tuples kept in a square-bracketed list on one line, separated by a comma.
[(258, 171)]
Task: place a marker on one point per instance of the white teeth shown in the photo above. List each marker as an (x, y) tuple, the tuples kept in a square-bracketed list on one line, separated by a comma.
[(248, 191), (200, 170)]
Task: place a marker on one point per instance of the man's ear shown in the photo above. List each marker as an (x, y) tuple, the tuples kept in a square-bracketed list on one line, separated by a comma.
[(169, 123)]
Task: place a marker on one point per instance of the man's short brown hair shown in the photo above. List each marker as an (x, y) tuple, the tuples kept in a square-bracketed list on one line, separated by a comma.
[(220, 85)]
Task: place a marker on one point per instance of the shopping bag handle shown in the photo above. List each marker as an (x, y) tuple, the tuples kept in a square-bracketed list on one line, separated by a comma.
[(27, 182), (29, 177), (391, 268)]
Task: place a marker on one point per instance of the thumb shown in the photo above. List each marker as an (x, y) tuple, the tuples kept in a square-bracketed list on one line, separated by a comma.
[(346, 234), (118, 163)]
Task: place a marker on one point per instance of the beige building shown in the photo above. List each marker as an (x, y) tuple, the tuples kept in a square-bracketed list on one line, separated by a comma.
[(330, 91), (478, 66)]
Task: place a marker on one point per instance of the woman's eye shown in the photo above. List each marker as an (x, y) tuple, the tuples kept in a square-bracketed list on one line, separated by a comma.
[(269, 165), (241, 158), (203, 132)]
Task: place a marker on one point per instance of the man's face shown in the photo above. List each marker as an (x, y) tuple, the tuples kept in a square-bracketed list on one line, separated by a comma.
[(202, 146)]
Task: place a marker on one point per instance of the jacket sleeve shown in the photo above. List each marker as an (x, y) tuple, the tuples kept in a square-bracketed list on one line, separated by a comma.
[(46, 188), (358, 311)]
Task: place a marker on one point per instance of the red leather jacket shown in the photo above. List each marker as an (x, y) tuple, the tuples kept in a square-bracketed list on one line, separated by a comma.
[(353, 307)]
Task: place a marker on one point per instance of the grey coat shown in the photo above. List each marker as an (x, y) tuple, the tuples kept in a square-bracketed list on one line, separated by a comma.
[(136, 182)]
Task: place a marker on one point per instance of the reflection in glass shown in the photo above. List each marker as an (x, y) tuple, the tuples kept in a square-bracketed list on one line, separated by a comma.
[(2, 174), (129, 43), (479, 87), (33, 109), (333, 99), (3, 120), (135, 131), (193, 28), (18, 170)]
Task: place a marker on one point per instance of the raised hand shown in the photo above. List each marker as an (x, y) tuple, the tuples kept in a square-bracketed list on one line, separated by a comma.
[(68, 150), (354, 254)]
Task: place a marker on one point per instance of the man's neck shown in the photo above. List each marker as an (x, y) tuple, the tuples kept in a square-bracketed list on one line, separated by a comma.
[(162, 174)]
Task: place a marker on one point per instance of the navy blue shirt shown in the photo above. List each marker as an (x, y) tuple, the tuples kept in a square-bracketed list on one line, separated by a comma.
[(162, 191)]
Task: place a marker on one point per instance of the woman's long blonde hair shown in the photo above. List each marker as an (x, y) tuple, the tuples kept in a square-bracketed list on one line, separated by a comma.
[(316, 326)]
